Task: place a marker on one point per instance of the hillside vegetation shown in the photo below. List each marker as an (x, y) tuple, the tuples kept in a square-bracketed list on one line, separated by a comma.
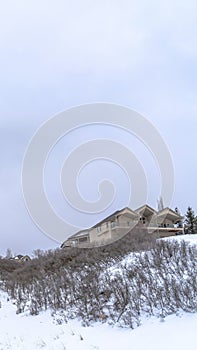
[(117, 284)]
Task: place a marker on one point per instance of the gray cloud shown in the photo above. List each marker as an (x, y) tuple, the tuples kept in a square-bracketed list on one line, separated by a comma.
[(55, 55)]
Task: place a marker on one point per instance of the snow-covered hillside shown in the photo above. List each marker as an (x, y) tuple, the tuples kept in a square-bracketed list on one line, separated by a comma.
[(43, 331), (192, 239)]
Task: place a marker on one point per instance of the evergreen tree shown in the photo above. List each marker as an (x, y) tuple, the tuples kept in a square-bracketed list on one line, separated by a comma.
[(190, 221)]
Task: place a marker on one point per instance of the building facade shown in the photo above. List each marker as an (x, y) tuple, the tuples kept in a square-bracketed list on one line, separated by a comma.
[(165, 222)]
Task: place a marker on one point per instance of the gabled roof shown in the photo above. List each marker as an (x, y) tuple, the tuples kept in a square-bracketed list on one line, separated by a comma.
[(80, 233), (170, 213), (146, 210), (25, 258), (19, 256), (125, 211)]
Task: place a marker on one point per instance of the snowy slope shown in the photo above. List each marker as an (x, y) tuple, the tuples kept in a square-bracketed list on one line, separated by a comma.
[(42, 332), (192, 239), (130, 258), (39, 332), (36, 332)]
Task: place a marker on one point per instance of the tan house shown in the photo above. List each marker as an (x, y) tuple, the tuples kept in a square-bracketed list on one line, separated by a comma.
[(165, 222)]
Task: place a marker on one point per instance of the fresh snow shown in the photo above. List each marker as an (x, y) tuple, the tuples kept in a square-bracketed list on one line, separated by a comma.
[(131, 257), (192, 239), (42, 332)]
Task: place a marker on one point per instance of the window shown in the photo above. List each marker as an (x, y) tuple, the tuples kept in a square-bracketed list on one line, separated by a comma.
[(113, 224), (99, 229), (143, 219), (83, 239)]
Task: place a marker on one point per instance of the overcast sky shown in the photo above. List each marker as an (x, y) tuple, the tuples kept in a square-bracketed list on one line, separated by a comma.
[(58, 54)]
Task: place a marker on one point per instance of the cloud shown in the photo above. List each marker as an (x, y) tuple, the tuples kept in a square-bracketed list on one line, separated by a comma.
[(58, 54)]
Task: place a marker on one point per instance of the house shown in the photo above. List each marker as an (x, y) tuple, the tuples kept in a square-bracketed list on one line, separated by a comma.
[(21, 258), (165, 222)]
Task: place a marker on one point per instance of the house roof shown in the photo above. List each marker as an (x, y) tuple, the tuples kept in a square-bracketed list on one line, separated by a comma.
[(146, 210), (171, 214), (80, 233), (125, 211), (26, 257), (19, 256)]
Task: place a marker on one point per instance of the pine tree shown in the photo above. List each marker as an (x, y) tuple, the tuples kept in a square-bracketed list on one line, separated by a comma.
[(190, 221)]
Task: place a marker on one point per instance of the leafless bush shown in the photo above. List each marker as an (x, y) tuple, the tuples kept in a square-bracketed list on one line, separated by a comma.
[(160, 279)]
